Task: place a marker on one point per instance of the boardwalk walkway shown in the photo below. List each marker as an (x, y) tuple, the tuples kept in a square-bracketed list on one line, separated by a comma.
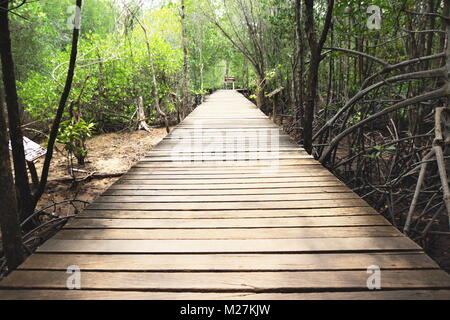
[(227, 207)]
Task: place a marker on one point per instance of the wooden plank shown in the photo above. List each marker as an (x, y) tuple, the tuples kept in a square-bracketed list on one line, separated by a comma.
[(207, 192), (202, 146), (135, 174), (226, 198), (203, 169), (248, 156), (226, 170), (224, 214), (141, 295), (230, 281), (205, 137), (299, 154), (258, 154), (189, 180), (229, 262), (209, 121), (231, 205), (372, 220), (236, 233), (230, 246), (189, 148), (264, 164), (231, 156), (138, 185), (229, 126)]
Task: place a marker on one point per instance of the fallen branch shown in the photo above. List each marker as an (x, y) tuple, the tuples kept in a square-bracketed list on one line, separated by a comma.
[(92, 175)]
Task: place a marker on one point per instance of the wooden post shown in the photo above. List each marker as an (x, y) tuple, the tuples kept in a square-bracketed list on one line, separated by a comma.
[(274, 104)]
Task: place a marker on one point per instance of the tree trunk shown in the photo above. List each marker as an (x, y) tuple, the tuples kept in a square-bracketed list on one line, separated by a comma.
[(185, 61), (9, 216), (260, 97), (313, 78), (61, 106), (154, 81), (300, 53), (12, 104)]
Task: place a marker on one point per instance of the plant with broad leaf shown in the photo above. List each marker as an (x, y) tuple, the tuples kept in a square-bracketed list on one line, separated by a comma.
[(73, 134)]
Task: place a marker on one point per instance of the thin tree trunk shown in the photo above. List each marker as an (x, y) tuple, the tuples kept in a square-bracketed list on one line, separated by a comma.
[(260, 97), (300, 54), (9, 215), (154, 81), (185, 61), (152, 71), (61, 106), (15, 131)]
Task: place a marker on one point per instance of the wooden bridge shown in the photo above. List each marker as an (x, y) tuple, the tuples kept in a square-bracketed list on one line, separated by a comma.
[(227, 207)]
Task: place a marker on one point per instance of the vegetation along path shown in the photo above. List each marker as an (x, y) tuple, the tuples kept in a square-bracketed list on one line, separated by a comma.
[(227, 207)]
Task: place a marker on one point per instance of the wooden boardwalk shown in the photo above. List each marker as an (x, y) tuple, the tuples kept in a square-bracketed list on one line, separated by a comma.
[(227, 207)]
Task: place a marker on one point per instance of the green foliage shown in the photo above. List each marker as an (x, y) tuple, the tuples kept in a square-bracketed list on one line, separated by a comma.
[(112, 68), (379, 151), (73, 134), (39, 97)]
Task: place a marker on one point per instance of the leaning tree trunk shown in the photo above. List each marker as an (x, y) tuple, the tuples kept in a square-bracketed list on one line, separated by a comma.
[(12, 104), (61, 105), (260, 97), (9, 215)]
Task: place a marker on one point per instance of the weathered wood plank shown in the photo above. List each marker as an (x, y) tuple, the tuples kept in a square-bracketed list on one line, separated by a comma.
[(258, 154), (224, 192), (231, 205), (138, 185), (264, 164), (229, 246), (229, 262), (226, 170), (193, 180), (192, 146), (141, 295), (111, 198), (140, 174), (230, 281), (231, 156), (224, 214), (374, 220), (235, 233)]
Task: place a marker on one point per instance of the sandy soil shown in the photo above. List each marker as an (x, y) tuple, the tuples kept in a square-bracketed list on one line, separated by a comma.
[(108, 154)]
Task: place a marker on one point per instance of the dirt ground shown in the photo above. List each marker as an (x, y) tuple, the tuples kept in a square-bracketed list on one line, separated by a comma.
[(109, 153)]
